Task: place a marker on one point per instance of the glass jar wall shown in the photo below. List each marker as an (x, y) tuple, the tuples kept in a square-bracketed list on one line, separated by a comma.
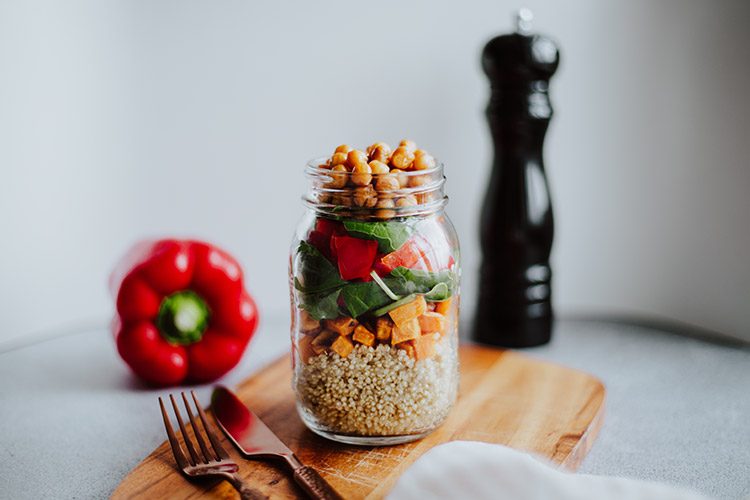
[(374, 279)]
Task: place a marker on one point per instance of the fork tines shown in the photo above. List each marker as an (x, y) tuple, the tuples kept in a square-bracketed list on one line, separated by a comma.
[(206, 455)]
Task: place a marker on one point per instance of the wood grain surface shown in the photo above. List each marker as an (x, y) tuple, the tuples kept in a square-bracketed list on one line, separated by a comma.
[(504, 398)]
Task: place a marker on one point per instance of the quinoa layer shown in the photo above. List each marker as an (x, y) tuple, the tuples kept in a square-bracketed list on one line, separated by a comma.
[(378, 391)]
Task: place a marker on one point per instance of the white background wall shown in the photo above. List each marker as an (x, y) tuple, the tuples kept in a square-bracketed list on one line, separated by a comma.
[(133, 118)]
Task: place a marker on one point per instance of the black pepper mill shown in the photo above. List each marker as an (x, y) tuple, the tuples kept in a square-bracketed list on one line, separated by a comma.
[(514, 307)]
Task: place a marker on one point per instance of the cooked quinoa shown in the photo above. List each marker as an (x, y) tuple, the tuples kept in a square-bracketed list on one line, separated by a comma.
[(378, 391)]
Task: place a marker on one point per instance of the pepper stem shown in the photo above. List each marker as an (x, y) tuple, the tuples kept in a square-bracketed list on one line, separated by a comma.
[(183, 317)]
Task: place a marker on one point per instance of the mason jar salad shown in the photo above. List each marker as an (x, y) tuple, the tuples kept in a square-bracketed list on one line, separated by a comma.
[(374, 279)]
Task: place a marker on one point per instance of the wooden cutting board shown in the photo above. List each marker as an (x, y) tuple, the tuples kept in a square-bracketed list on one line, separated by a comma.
[(505, 398)]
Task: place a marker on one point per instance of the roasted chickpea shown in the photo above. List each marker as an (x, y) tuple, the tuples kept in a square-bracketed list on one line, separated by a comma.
[(355, 157), (339, 176), (344, 148), (371, 201), (343, 200), (408, 145), (372, 147), (402, 158), (361, 174), (403, 179), (407, 201), (381, 155), (423, 162), (385, 208), (387, 183), (365, 196), (385, 203), (418, 180), (379, 151), (378, 167), (338, 159)]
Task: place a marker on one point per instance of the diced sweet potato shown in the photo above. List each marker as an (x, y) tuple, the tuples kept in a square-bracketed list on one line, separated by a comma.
[(407, 346), (409, 311), (307, 324), (322, 341), (343, 346), (424, 346), (432, 322), (343, 326), (383, 328), (363, 336), (407, 331), (443, 307), (305, 348)]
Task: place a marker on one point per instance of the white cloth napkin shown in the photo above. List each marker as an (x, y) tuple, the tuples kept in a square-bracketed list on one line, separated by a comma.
[(469, 469)]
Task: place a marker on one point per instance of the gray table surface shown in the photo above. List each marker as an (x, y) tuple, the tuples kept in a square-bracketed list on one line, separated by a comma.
[(678, 408)]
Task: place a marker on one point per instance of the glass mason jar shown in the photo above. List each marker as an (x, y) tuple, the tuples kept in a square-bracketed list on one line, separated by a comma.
[(374, 279)]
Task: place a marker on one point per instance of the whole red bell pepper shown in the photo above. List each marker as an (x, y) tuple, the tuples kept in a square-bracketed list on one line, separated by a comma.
[(183, 314)]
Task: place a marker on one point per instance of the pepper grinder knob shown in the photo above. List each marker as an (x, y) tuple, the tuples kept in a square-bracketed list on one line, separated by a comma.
[(524, 18)]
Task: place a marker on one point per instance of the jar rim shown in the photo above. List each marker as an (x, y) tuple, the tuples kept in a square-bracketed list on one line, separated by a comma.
[(319, 195), (315, 167)]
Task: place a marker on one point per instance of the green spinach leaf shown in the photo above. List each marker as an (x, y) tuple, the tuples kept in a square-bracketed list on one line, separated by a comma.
[(389, 235), (322, 306), (439, 293), (317, 274), (362, 297), (436, 286)]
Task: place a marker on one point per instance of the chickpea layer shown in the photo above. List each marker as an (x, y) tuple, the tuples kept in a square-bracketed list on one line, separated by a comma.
[(374, 178)]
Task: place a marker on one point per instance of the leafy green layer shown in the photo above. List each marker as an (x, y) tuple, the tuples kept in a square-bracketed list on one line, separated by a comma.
[(321, 287)]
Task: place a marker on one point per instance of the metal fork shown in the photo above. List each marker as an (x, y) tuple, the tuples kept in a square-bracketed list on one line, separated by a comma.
[(216, 464)]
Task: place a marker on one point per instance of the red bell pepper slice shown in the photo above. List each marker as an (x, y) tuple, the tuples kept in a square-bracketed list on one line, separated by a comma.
[(321, 242), (183, 314), (320, 236), (418, 253), (380, 268), (354, 256), (328, 227), (406, 256)]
